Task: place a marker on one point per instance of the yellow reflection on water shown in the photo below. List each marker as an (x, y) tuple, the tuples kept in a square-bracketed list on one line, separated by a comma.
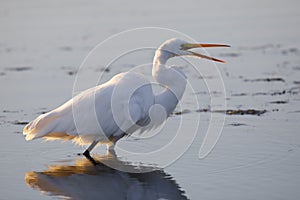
[(83, 180)]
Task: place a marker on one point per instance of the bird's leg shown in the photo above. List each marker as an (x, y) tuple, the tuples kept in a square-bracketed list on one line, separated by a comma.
[(86, 153), (89, 157), (110, 147), (112, 141)]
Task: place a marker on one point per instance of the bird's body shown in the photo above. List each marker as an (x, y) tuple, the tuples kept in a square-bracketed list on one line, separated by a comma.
[(121, 106), (95, 104)]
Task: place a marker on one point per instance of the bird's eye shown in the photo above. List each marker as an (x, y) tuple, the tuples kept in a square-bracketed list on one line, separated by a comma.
[(186, 46), (182, 47)]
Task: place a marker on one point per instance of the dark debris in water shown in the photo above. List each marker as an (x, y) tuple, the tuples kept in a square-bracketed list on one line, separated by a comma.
[(72, 73), (70, 70), (296, 82), (235, 112), (295, 111), (294, 90), (292, 50), (245, 112), (204, 110), (11, 111), (296, 68), (19, 69), (279, 102), (270, 93), (185, 111), (19, 122), (227, 112), (105, 69), (260, 93), (237, 124), (291, 91), (42, 112), (278, 93), (239, 94), (276, 79)]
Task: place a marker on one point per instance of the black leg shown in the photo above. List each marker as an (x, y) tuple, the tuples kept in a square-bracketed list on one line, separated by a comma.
[(89, 157)]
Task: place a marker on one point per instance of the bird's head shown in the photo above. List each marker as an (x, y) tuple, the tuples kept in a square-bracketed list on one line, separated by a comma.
[(178, 47)]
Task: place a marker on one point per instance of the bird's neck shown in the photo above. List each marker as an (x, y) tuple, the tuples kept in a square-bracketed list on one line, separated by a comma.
[(161, 57), (169, 77)]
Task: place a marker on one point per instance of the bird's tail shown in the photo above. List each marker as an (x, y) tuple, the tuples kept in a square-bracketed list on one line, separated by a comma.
[(41, 126)]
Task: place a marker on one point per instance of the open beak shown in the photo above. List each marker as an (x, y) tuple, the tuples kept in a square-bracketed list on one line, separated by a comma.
[(188, 46)]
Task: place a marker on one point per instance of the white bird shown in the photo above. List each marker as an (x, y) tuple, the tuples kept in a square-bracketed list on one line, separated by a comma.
[(105, 113)]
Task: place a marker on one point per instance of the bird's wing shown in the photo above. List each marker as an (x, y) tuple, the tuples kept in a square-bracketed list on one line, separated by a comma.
[(118, 106), (129, 101)]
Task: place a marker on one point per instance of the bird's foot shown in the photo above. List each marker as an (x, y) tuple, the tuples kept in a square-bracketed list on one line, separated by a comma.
[(90, 158)]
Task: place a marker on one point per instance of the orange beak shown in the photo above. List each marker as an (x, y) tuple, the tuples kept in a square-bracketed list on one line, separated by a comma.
[(188, 46)]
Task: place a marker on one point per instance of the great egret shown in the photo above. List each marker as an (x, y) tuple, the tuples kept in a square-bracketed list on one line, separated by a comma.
[(121, 106)]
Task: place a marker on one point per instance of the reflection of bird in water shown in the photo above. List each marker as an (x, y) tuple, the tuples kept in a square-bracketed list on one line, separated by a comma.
[(121, 106), (86, 181)]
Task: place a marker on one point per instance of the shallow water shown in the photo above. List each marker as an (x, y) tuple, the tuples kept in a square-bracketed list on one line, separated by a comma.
[(257, 155)]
